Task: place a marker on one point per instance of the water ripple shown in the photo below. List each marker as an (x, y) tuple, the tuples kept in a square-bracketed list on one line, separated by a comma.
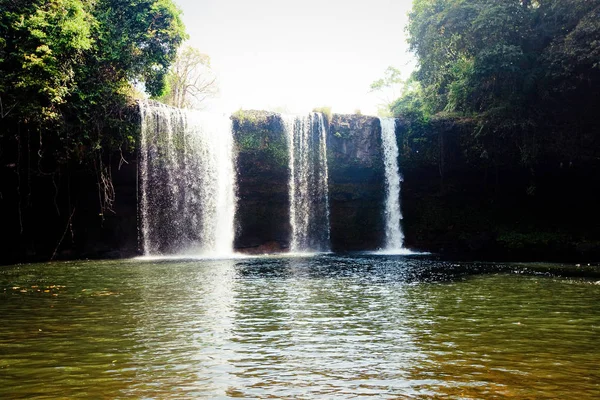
[(325, 326)]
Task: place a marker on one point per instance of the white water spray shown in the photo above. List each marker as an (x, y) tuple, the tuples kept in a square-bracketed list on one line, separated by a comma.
[(308, 184), (393, 215), (187, 182)]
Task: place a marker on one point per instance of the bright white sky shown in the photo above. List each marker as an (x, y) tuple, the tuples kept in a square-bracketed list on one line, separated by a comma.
[(299, 54)]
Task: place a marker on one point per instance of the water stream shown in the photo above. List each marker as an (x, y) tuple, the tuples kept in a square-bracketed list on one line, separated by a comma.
[(187, 199), (308, 185), (394, 237)]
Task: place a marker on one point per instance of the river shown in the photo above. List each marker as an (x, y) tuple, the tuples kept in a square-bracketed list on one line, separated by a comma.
[(323, 326)]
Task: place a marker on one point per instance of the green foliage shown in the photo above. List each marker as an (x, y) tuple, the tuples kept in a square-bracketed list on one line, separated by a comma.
[(574, 57), (245, 117), (392, 76), (527, 72), (326, 111), (139, 39), (261, 133), (71, 61), (42, 43), (412, 102), (470, 52), (389, 88)]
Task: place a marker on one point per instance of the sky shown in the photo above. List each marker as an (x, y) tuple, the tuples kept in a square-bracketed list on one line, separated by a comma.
[(297, 55)]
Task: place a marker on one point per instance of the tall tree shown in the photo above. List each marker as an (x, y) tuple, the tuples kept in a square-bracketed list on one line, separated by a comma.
[(190, 80), (389, 89)]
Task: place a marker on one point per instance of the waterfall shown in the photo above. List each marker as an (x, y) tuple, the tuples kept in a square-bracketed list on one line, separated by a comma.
[(308, 183), (393, 215), (187, 201)]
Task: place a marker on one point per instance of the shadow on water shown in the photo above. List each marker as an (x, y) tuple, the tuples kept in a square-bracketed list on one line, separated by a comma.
[(397, 268)]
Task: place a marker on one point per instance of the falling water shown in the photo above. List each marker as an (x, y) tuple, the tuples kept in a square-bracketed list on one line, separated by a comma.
[(308, 184), (393, 214), (187, 182)]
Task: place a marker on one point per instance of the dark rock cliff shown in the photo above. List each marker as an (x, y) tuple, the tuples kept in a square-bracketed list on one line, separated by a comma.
[(454, 202), (262, 216), (458, 203), (60, 217), (356, 182)]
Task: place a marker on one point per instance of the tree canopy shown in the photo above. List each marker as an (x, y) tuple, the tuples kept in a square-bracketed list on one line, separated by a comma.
[(41, 44), (69, 59), (389, 88), (528, 72), (68, 69)]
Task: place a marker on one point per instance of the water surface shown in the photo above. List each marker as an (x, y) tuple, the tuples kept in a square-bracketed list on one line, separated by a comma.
[(326, 326)]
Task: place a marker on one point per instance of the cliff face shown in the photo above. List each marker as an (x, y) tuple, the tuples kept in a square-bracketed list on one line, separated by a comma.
[(453, 202), (356, 182), (462, 203), (262, 216), (356, 191), (60, 217), (356, 195)]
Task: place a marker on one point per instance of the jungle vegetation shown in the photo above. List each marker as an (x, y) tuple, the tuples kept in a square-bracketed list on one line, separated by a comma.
[(525, 73), (500, 138), (69, 73)]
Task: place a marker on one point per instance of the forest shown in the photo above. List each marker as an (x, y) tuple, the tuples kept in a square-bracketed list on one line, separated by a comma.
[(525, 73), (70, 71), (502, 110)]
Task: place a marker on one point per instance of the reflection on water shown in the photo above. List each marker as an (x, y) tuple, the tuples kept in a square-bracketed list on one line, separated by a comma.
[(319, 327)]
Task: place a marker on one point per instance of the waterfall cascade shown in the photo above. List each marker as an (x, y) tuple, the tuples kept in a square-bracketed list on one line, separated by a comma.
[(308, 184), (187, 201), (393, 215)]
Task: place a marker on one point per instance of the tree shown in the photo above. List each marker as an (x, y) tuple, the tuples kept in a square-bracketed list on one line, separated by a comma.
[(514, 66), (66, 73), (190, 80), (65, 59), (471, 53), (476, 56), (136, 41), (41, 44), (389, 88)]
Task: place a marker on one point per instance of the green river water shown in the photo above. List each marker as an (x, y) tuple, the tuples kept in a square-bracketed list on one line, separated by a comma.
[(325, 326)]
